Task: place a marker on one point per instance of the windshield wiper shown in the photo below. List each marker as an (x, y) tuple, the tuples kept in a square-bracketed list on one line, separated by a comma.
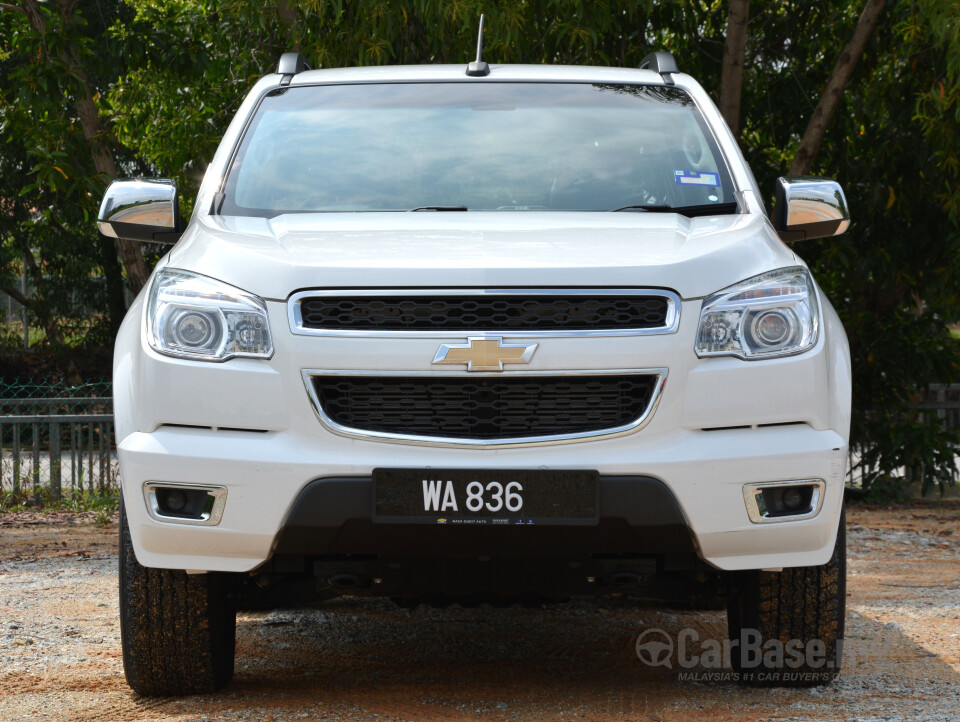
[(439, 208), (708, 209)]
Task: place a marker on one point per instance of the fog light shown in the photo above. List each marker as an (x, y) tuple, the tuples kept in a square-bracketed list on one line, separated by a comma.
[(786, 500), (178, 501), (793, 497), (783, 500), (185, 504), (175, 500)]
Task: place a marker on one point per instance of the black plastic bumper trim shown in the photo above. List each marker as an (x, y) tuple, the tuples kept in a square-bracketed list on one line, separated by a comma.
[(638, 515)]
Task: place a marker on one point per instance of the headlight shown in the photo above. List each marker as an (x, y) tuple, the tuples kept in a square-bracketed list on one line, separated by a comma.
[(196, 317), (774, 314)]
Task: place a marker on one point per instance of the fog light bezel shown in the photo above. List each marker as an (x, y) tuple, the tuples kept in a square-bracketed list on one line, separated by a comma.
[(211, 515), (756, 510)]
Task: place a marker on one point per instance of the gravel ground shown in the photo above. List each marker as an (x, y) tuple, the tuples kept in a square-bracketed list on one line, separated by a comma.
[(362, 659)]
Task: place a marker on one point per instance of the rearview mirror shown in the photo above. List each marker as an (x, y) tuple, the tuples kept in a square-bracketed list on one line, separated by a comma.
[(141, 209), (809, 207)]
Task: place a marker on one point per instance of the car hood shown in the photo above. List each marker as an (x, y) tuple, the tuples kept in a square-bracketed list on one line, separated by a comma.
[(276, 257)]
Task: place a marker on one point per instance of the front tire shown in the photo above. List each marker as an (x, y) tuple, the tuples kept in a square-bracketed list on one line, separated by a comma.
[(177, 630), (804, 608)]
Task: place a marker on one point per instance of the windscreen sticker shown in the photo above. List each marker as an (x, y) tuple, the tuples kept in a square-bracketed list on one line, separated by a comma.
[(696, 178)]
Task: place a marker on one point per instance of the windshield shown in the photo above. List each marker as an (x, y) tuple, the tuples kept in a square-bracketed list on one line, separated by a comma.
[(477, 146)]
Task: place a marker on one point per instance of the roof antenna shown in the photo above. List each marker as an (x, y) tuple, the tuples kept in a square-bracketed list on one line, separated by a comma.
[(478, 68)]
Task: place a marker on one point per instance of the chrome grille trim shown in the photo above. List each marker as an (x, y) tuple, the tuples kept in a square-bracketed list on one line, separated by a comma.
[(671, 323), (362, 434)]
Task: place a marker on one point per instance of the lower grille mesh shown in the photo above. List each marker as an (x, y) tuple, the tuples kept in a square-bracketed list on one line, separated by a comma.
[(484, 408)]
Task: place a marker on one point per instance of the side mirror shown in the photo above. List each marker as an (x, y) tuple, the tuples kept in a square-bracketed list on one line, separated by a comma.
[(809, 207), (141, 209)]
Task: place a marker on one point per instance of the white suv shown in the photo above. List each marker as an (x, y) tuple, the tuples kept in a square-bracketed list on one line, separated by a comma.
[(444, 335)]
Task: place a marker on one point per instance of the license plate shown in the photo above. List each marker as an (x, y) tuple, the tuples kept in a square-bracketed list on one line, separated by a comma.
[(486, 497)]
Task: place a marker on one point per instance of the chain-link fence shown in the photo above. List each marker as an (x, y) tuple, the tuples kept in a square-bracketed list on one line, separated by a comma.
[(56, 434)]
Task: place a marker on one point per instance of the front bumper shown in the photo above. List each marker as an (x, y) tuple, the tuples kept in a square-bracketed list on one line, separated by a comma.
[(249, 426), (264, 474)]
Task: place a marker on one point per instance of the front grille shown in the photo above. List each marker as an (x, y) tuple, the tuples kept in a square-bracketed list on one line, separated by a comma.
[(485, 408), (594, 312)]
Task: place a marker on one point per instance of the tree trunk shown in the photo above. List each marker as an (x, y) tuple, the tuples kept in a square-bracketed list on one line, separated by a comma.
[(731, 75), (116, 303), (839, 77), (95, 133), (287, 10)]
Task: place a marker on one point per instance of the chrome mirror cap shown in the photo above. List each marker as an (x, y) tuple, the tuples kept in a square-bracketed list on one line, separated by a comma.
[(141, 209), (810, 207)]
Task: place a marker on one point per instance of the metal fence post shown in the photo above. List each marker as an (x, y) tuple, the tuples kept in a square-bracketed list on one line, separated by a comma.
[(16, 458), (40, 418), (73, 470), (100, 484), (90, 453), (55, 483), (35, 429)]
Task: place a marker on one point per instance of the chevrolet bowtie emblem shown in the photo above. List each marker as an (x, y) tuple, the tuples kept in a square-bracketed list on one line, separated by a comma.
[(485, 354)]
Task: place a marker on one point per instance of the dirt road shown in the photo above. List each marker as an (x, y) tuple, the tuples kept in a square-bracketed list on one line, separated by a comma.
[(355, 659)]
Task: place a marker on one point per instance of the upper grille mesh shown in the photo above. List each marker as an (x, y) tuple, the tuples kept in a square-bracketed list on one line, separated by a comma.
[(484, 312), (485, 408)]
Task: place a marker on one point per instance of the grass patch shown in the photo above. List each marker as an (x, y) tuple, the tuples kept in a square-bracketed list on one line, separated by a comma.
[(104, 502)]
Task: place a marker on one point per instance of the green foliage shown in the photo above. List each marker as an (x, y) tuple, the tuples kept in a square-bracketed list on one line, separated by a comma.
[(197, 58), (894, 277), (49, 189), (171, 73), (105, 503)]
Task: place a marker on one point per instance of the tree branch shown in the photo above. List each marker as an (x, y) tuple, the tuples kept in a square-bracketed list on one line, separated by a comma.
[(31, 8), (5, 6), (17, 296), (95, 134), (830, 100), (66, 9)]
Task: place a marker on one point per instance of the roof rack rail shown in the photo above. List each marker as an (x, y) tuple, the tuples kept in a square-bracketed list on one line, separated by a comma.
[(663, 63), (290, 64)]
